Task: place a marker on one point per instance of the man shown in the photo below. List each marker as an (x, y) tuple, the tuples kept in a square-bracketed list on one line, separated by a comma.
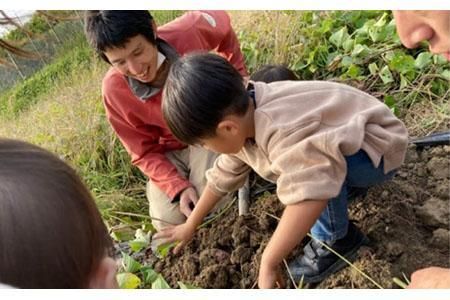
[(414, 27), (140, 55)]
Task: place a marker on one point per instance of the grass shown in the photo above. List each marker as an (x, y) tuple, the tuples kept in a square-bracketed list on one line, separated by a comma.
[(60, 109)]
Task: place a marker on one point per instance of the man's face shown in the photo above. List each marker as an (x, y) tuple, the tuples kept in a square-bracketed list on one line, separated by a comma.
[(137, 59), (433, 26)]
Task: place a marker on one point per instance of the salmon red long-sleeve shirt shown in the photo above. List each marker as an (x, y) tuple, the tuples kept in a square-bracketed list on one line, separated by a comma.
[(139, 124)]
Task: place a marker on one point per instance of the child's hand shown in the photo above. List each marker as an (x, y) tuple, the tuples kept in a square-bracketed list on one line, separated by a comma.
[(181, 233), (270, 277)]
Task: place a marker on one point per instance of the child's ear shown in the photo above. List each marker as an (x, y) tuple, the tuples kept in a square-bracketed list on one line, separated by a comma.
[(105, 276), (227, 127), (154, 27)]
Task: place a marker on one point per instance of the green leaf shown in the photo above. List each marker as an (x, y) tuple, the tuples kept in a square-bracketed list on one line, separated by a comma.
[(348, 45), (326, 26), (378, 32), (141, 240), (373, 68), (149, 275), (446, 74), (164, 249), (360, 50), (122, 235), (403, 81), (339, 37), (402, 63), (386, 75), (160, 283), (128, 280), (346, 61), (390, 102), (186, 286), (423, 60), (137, 246), (353, 71), (439, 60), (129, 264), (148, 227)]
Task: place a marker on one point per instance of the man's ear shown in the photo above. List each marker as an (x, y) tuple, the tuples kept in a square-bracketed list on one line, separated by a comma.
[(105, 275), (227, 126)]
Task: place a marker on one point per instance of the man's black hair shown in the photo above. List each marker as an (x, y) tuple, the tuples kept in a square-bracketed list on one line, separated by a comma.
[(200, 90), (113, 28), (271, 73)]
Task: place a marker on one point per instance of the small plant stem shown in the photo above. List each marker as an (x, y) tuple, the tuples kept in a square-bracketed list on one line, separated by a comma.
[(337, 254), (290, 274), (400, 283), (254, 284), (131, 214), (141, 216), (204, 224)]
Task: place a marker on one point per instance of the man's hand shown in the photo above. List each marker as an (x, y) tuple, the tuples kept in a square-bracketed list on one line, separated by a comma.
[(430, 278), (270, 277), (187, 197), (181, 233)]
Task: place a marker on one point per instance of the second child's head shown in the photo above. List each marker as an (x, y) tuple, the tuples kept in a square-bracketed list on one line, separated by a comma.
[(206, 103), (272, 73), (51, 232)]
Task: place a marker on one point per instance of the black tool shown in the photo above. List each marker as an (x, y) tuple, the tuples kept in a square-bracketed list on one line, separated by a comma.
[(435, 139)]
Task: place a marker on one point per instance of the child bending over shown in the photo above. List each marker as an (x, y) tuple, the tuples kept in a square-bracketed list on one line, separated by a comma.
[(316, 140), (51, 233)]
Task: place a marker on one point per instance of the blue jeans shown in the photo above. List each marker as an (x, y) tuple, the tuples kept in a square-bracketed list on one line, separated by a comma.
[(333, 222)]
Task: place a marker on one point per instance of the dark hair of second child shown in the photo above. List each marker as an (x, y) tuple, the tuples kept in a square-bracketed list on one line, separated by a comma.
[(272, 73)]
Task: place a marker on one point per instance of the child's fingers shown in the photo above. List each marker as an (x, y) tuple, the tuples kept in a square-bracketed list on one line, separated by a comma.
[(164, 233), (178, 247), (281, 283)]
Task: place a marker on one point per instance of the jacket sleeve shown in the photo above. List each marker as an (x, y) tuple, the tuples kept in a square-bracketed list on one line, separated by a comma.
[(142, 144), (227, 175)]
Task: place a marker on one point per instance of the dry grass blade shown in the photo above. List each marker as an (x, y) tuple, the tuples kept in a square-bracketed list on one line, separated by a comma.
[(290, 274), (400, 283), (219, 214), (338, 255)]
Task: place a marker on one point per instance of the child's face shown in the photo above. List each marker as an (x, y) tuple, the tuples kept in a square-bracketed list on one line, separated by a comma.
[(230, 136), (433, 26), (222, 145)]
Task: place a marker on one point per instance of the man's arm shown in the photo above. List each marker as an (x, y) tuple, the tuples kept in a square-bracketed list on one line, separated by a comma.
[(142, 144), (296, 221)]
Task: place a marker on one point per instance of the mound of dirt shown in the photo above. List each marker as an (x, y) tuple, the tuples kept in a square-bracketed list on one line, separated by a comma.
[(406, 220)]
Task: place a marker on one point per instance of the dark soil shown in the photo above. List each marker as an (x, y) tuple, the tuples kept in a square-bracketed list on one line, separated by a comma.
[(406, 219)]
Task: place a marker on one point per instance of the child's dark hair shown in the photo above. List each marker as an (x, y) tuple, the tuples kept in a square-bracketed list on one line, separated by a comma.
[(200, 90), (113, 28), (272, 73), (51, 232)]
